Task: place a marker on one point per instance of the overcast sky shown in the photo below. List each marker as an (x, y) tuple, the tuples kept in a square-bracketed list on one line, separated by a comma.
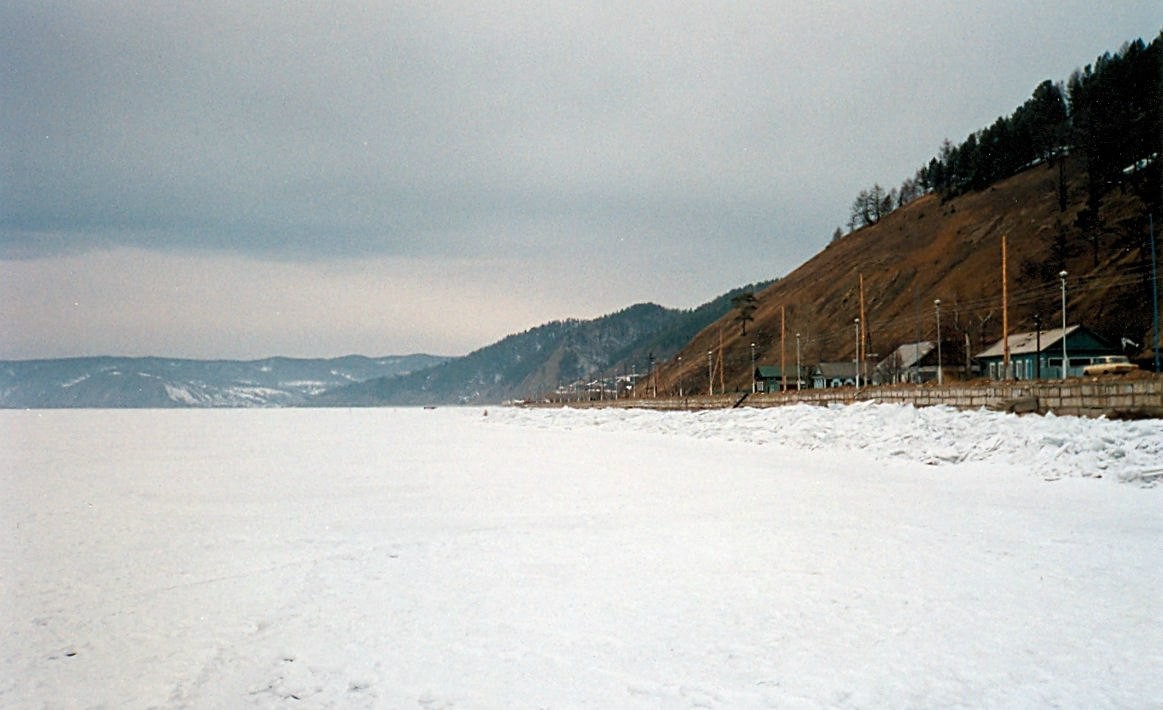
[(225, 179)]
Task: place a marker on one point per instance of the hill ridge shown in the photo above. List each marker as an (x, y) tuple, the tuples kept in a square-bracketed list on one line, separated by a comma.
[(543, 359)]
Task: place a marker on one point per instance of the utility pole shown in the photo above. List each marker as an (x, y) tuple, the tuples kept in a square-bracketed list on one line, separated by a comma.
[(722, 366), (915, 375), (1065, 359), (857, 361), (862, 346), (710, 375), (940, 374), (782, 358), (1155, 289), (1005, 315), (798, 378)]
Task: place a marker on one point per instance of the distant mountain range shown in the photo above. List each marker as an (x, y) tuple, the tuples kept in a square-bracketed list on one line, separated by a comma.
[(149, 382), (540, 360), (520, 366)]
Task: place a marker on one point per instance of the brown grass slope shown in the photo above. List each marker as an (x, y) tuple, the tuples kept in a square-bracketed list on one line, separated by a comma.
[(949, 250)]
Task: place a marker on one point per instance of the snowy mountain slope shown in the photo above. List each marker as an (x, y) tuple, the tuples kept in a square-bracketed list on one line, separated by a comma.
[(120, 382)]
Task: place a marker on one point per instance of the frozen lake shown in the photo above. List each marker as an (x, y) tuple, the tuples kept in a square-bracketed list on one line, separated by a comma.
[(438, 559)]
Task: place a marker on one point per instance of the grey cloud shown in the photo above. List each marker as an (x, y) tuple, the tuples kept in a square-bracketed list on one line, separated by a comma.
[(356, 130), (734, 134)]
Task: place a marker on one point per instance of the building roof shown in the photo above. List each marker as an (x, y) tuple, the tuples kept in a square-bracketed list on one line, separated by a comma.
[(907, 355), (768, 372), (1027, 343), (835, 369)]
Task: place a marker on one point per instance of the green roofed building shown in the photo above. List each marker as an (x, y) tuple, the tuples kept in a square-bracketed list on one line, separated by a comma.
[(1038, 354)]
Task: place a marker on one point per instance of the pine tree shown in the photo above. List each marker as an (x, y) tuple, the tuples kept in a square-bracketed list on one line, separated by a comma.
[(745, 303)]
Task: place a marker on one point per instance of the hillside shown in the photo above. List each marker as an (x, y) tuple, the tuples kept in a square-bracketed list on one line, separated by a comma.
[(160, 382), (541, 360), (524, 365), (948, 250)]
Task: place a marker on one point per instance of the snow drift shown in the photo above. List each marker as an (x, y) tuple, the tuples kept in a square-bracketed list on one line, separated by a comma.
[(446, 559)]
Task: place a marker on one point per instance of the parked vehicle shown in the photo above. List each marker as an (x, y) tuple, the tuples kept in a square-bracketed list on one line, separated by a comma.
[(1109, 365)]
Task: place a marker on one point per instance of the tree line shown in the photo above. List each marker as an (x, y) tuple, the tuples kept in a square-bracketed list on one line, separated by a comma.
[(1109, 115)]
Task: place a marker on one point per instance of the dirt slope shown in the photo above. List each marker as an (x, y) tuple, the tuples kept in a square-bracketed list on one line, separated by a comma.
[(949, 250)]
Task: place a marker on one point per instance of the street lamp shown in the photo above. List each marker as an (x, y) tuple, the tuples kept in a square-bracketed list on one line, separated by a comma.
[(680, 376), (940, 373), (798, 378), (856, 361), (753, 368), (1037, 346), (653, 378), (1065, 359)]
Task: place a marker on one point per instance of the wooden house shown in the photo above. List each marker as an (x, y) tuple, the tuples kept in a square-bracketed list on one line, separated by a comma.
[(834, 374), (911, 362), (1038, 354)]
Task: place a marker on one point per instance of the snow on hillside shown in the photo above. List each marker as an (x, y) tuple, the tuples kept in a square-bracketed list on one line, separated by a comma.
[(151, 382), (550, 558)]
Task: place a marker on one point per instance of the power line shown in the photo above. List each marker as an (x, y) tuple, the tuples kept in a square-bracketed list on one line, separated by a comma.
[(1084, 284)]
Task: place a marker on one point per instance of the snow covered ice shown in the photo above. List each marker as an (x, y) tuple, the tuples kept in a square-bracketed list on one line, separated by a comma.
[(868, 556)]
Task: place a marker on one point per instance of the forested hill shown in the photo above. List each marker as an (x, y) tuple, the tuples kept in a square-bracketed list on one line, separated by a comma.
[(1071, 180), (561, 354), (1107, 115)]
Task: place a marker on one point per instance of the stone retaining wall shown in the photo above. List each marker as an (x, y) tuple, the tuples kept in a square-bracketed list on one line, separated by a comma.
[(1117, 398)]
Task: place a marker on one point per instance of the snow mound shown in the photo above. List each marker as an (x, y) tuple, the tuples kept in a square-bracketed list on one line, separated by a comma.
[(1047, 446)]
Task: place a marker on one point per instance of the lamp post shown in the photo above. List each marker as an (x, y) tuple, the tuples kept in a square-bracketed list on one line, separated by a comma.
[(856, 361), (1065, 359), (680, 376), (753, 368), (1037, 346), (940, 373), (653, 378), (798, 378)]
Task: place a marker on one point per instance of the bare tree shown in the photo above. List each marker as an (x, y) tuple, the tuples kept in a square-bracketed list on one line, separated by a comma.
[(893, 367)]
